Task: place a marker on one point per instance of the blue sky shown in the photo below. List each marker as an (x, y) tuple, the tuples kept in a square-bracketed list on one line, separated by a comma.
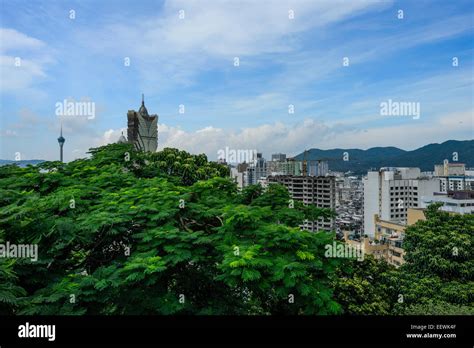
[(190, 61)]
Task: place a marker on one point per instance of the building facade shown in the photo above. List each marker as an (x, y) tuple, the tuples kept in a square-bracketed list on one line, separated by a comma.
[(453, 177), (456, 183), (449, 169), (317, 190), (457, 202), (142, 129), (389, 192), (387, 243)]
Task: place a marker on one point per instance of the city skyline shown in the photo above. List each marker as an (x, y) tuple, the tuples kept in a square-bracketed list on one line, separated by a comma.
[(242, 164), (284, 64)]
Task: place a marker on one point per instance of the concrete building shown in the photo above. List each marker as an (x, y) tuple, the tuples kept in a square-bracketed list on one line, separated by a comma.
[(456, 183), (387, 243), (279, 157), (457, 202), (142, 129), (256, 171), (237, 176), (389, 192), (450, 169), (288, 166), (317, 190), (317, 168), (453, 177)]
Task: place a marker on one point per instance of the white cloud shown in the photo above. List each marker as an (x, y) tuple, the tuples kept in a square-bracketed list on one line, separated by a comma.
[(23, 62), (11, 39), (167, 48), (294, 138), (227, 27), (112, 136), (17, 78)]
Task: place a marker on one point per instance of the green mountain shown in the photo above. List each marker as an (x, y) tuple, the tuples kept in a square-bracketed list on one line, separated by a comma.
[(359, 161)]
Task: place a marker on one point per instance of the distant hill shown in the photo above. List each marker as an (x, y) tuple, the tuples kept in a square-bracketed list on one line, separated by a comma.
[(22, 163), (425, 157)]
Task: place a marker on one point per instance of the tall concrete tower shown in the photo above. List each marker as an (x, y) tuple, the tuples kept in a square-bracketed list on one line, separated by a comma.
[(142, 129), (61, 141)]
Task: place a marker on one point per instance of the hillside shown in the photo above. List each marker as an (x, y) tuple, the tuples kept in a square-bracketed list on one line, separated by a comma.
[(22, 163), (425, 157)]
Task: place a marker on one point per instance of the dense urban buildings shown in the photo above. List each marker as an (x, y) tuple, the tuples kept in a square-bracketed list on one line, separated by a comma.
[(349, 203), (395, 198), (387, 243), (453, 177), (372, 211), (257, 171)]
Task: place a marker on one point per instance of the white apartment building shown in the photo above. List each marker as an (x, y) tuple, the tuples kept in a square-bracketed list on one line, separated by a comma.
[(389, 192), (458, 202), (238, 177), (454, 177), (456, 183)]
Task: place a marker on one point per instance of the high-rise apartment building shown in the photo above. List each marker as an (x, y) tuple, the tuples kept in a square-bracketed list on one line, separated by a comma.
[(317, 168), (389, 192), (280, 157), (256, 171), (317, 190)]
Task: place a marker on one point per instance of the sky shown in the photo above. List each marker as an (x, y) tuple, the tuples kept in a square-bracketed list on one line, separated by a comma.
[(310, 74)]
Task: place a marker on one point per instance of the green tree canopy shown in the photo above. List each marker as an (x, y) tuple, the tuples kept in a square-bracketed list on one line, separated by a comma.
[(439, 268), (124, 232)]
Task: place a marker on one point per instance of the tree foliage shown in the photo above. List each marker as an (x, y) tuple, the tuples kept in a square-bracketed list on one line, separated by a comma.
[(439, 268), (366, 287), (124, 232), (437, 277)]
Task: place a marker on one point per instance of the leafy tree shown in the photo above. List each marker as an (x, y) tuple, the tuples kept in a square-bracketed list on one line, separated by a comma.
[(124, 232), (437, 277), (439, 267), (366, 287)]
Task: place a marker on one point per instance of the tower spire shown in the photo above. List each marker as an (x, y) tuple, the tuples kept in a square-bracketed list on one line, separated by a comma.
[(143, 99), (61, 141)]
